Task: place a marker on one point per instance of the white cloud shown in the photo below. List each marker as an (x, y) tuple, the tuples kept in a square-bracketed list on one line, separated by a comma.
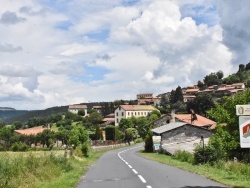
[(151, 46)]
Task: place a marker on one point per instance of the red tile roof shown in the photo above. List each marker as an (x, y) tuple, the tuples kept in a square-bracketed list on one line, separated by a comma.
[(137, 107), (77, 106), (31, 131), (201, 121)]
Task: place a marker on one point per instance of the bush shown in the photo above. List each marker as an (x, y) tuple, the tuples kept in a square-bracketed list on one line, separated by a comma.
[(184, 156), (138, 140), (85, 149), (17, 146), (149, 142), (210, 155)]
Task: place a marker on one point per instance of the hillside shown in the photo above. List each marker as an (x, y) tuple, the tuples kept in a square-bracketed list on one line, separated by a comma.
[(36, 113)]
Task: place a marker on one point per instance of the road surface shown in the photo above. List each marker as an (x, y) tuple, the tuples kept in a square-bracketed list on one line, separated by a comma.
[(123, 168)]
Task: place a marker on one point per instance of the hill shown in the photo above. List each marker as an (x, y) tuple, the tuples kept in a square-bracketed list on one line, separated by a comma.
[(36, 113)]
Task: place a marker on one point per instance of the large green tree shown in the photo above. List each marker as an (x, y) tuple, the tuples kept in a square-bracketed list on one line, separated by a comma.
[(225, 113)]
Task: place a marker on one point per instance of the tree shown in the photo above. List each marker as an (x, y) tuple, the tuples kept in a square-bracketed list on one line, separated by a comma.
[(202, 103), (164, 102), (172, 97), (2, 123), (219, 75), (247, 66), (95, 118), (178, 96), (17, 125), (149, 142), (81, 113), (201, 85), (98, 133), (126, 123), (241, 68), (156, 112), (225, 113), (78, 135), (142, 126)]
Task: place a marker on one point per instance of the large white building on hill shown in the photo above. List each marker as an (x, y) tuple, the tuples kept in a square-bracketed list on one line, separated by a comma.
[(127, 111)]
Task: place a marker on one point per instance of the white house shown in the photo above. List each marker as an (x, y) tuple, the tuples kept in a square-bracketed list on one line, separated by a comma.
[(76, 107), (126, 111)]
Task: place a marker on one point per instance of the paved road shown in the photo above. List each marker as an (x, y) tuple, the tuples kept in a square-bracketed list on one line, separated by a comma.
[(122, 168)]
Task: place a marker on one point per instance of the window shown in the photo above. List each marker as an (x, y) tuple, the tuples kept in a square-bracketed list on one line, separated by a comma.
[(119, 108), (116, 113), (144, 113), (135, 113), (117, 120), (122, 114), (131, 113), (128, 113)]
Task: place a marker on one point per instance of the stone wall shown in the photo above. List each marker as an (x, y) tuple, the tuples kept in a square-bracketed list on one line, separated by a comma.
[(185, 132)]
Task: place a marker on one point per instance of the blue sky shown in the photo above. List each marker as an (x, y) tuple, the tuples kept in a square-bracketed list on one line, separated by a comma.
[(65, 52)]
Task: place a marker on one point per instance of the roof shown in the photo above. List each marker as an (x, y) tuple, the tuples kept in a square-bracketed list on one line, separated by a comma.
[(31, 131), (192, 90), (96, 107), (201, 121), (189, 96), (168, 127), (77, 106), (137, 107), (237, 84), (108, 119)]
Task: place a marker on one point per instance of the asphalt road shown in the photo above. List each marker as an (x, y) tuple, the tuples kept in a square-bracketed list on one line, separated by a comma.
[(123, 168)]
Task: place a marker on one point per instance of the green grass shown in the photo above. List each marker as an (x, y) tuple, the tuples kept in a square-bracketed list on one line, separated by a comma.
[(227, 173), (41, 169)]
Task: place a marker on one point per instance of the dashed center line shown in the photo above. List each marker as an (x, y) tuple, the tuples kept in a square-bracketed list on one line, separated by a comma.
[(135, 171), (140, 176), (142, 179)]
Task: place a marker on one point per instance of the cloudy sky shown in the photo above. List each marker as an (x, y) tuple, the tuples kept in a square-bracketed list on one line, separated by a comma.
[(60, 52)]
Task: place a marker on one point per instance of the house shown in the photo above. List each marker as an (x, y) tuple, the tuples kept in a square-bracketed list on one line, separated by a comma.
[(181, 136), (199, 122), (109, 119), (147, 99), (191, 91), (188, 98), (97, 108), (76, 107), (239, 85), (127, 111), (30, 131)]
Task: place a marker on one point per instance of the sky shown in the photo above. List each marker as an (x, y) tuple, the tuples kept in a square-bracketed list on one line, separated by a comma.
[(62, 52)]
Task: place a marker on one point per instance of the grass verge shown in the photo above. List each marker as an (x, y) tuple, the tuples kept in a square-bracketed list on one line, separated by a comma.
[(225, 172)]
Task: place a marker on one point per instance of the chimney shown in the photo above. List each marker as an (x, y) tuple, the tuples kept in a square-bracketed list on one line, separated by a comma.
[(172, 116)]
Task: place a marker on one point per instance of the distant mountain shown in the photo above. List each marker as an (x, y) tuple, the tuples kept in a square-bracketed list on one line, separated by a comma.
[(7, 112), (26, 115)]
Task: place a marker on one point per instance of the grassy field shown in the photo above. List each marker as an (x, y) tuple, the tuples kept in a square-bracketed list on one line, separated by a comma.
[(228, 173), (42, 169)]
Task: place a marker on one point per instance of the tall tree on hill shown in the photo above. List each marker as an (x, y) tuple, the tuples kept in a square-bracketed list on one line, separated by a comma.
[(178, 96), (172, 97), (247, 66)]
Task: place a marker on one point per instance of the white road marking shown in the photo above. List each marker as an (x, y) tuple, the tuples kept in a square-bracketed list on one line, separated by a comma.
[(135, 171), (142, 179)]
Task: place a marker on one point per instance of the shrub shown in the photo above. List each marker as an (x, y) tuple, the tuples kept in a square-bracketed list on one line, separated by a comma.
[(85, 149), (184, 156), (17, 146), (210, 155), (138, 140), (149, 142)]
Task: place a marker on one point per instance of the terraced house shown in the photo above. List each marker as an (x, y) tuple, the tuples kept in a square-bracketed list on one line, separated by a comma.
[(127, 111)]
